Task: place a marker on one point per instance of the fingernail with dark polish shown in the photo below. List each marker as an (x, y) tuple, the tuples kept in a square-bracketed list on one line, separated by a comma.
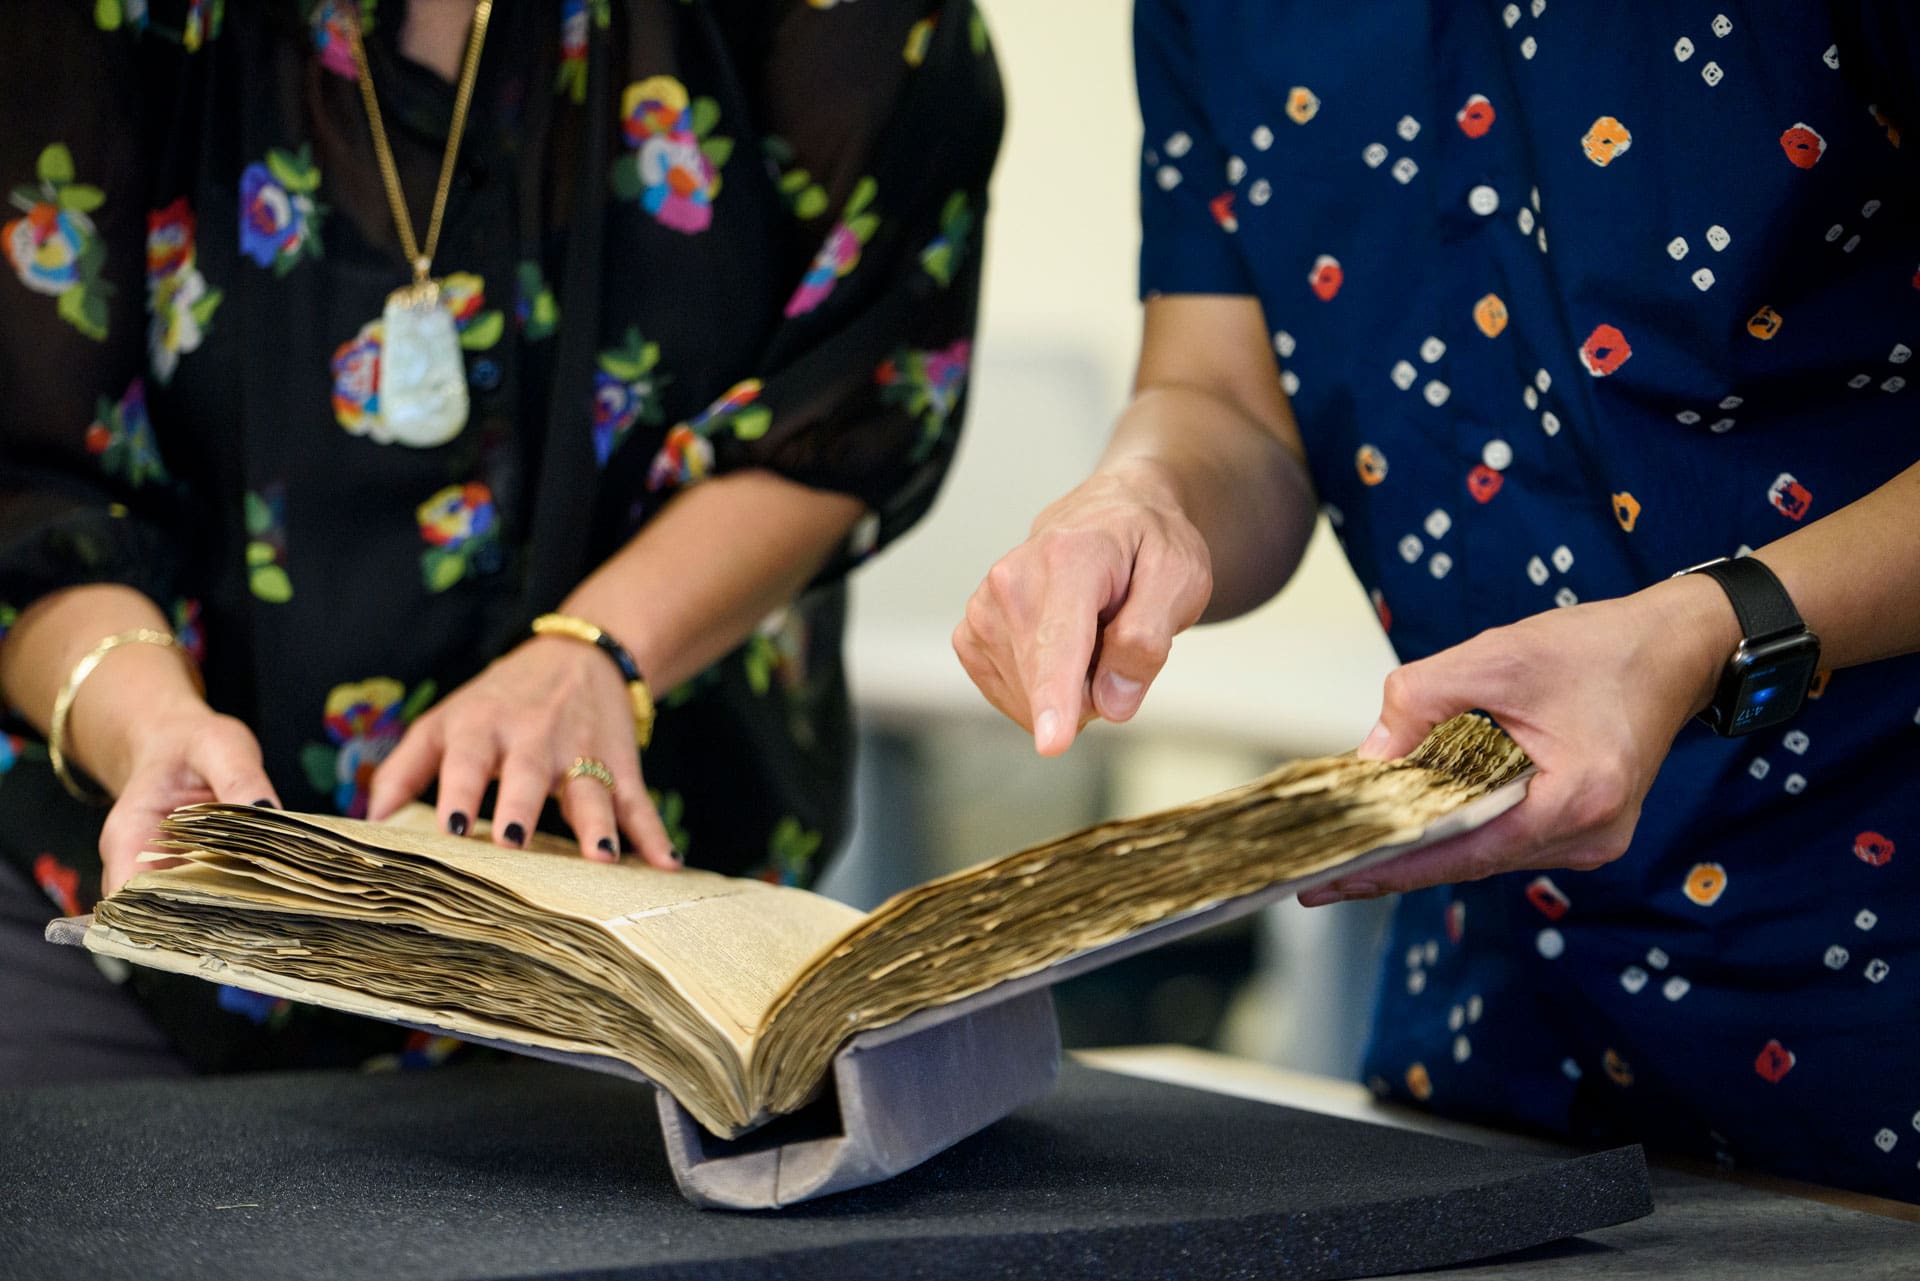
[(265, 804), (516, 834), (457, 823), (606, 845)]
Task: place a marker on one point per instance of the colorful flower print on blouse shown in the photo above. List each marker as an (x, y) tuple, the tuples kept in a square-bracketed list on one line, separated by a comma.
[(920, 38), (330, 39), (687, 455), (121, 437), (807, 198), (777, 648), (420, 1050), (675, 170), (462, 530), (364, 720), (626, 390), (465, 295), (112, 15), (180, 305), (356, 383), (53, 245), (790, 851), (535, 309), (841, 252), (926, 383), (356, 362), (187, 629), (671, 806), (946, 252), (256, 1007), (574, 15), (267, 544), (59, 883), (279, 221), (12, 748), (204, 18)]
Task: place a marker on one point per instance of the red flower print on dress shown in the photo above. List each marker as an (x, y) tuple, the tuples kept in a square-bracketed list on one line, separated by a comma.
[(1873, 849), (1789, 497), (1326, 277), (1476, 117), (1804, 146), (1774, 1061), (1547, 898), (1604, 351)]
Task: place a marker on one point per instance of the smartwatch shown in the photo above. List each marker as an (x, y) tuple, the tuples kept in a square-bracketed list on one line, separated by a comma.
[(1767, 679)]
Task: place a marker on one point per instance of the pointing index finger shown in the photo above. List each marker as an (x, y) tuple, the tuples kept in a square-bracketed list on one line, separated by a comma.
[(1054, 659)]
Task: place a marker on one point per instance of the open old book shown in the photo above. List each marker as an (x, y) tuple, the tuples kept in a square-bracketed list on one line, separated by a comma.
[(735, 996)]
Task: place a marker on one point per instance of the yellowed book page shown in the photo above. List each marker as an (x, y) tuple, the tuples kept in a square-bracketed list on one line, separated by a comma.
[(110, 942), (731, 945), (734, 955)]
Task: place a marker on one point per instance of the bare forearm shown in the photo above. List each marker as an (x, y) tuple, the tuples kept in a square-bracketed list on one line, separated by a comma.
[(135, 682), (1855, 575), (1247, 493), (697, 579)]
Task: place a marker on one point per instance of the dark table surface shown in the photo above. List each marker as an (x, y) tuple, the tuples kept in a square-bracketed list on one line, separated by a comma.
[(1706, 1223), (525, 1170)]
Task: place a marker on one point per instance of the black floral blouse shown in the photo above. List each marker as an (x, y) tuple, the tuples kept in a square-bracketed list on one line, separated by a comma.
[(685, 237)]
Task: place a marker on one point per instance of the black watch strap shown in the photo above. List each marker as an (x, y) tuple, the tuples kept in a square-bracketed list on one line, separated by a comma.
[(1760, 602)]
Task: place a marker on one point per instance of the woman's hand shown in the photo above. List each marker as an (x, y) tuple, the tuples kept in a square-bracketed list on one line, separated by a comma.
[(1077, 621), (1200, 507), (525, 719), (138, 725), (177, 758), (1594, 693)]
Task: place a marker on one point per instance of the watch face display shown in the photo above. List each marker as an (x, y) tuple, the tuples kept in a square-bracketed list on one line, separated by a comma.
[(1769, 682)]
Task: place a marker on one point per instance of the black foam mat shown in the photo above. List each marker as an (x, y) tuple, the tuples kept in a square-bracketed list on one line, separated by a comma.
[(532, 1170)]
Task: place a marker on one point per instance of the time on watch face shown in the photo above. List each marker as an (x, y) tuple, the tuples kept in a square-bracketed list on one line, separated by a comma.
[(1765, 684)]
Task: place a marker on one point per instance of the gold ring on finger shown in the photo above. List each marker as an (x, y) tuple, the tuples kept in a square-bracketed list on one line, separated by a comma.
[(588, 767)]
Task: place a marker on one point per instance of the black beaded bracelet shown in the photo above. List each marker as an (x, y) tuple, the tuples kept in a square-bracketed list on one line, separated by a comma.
[(580, 629)]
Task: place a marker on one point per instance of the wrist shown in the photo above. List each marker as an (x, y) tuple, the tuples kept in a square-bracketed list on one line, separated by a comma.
[(563, 653), (1147, 479), (140, 701), (1695, 633), (611, 657)]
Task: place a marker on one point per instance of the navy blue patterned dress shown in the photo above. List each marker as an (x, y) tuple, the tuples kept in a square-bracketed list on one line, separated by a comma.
[(1566, 298)]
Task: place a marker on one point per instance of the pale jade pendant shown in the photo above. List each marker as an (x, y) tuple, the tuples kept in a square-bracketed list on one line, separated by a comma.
[(423, 377)]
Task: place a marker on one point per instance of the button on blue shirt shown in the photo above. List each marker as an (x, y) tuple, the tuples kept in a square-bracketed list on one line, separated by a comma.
[(1567, 298)]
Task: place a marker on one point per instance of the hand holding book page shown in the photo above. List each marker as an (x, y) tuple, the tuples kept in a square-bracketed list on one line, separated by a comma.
[(735, 995)]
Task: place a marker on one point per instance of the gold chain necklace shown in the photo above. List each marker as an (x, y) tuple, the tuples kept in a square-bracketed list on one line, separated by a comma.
[(422, 385)]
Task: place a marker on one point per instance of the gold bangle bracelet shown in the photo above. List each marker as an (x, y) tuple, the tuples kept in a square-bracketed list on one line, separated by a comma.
[(63, 702), (639, 696)]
